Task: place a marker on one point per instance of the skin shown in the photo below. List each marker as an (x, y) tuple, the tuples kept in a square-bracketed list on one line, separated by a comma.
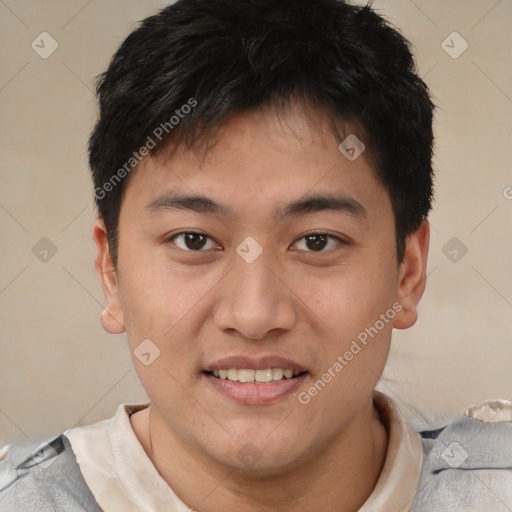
[(292, 301)]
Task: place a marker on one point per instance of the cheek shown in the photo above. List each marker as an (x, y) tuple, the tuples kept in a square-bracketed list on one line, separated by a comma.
[(169, 308), (353, 312), (350, 299), (155, 296)]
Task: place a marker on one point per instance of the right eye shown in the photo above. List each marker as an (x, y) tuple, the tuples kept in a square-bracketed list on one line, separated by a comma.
[(192, 241)]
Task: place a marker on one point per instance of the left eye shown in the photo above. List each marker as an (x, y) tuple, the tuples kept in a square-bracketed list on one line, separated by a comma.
[(194, 242), (318, 242)]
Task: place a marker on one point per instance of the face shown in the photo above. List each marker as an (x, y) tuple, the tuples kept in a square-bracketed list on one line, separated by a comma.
[(285, 272)]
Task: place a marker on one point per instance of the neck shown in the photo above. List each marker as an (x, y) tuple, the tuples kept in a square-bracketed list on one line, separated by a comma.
[(340, 476)]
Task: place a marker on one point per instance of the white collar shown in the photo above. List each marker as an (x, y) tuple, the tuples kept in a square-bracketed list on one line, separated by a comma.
[(122, 477), (116, 468)]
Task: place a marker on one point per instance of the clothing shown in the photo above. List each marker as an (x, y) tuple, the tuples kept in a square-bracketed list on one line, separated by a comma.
[(468, 465), (50, 482), (104, 467)]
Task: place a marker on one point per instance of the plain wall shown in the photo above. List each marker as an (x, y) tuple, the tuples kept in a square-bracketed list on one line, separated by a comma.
[(58, 368)]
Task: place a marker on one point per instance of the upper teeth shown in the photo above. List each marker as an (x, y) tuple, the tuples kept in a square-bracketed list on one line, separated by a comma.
[(245, 375)]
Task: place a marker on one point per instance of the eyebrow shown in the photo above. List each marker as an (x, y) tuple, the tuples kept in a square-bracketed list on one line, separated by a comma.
[(309, 204)]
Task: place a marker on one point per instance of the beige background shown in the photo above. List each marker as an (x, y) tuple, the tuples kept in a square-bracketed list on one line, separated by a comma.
[(59, 368)]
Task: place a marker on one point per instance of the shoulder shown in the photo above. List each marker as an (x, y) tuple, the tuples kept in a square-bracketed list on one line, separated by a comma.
[(43, 477), (467, 464)]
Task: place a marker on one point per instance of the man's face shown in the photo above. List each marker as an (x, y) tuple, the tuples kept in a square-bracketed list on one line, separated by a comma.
[(211, 302)]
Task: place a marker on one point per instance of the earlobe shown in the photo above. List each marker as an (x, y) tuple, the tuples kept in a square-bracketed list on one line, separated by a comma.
[(412, 276), (112, 317)]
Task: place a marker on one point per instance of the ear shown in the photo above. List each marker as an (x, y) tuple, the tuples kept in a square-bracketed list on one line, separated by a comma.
[(112, 318), (412, 276)]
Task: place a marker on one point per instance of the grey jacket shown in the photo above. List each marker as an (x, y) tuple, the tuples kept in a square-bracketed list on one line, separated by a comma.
[(467, 466)]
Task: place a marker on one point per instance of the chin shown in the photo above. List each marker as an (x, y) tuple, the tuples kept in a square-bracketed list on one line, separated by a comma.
[(260, 458)]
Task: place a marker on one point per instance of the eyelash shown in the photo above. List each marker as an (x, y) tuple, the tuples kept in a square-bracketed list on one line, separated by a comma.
[(339, 240)]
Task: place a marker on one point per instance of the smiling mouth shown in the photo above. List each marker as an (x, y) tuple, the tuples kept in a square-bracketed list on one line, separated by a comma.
[(265, 376)]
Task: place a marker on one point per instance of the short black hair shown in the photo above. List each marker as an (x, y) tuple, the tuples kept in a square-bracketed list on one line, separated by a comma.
[(184, 71)]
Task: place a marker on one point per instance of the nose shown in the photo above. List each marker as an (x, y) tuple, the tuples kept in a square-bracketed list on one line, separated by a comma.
[(255, 302)]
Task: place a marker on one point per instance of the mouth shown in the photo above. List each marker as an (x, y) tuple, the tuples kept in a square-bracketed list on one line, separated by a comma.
[(251, 376), (251, 382)]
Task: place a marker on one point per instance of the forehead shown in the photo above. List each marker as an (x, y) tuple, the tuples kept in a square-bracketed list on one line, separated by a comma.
[(260, 158)]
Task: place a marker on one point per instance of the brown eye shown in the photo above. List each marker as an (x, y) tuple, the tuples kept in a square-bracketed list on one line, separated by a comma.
[(192, 242), (318, 242)]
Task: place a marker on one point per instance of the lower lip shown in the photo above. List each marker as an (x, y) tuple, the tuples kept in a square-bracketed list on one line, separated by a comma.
[(252, 393)]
